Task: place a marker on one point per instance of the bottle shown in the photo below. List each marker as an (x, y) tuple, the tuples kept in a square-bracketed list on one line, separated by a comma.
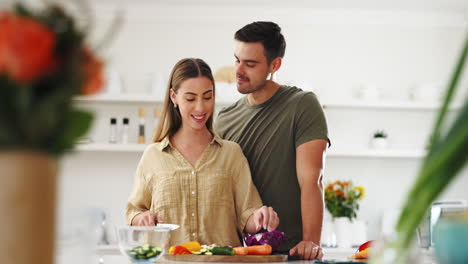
[(141, 126), (113, 131), (124, 132)]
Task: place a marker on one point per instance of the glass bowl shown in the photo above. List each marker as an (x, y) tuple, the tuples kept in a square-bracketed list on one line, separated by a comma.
[(143, 244)]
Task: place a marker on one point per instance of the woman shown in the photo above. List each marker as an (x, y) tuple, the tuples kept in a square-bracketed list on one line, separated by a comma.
[(190, 176)]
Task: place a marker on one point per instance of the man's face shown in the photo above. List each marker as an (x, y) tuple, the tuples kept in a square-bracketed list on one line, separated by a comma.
[(251, 67)]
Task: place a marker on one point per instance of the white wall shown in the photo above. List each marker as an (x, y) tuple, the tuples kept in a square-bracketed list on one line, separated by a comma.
[(329, 51)]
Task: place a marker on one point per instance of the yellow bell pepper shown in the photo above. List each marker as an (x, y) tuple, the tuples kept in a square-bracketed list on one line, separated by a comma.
[(193, 246), (171, 249)]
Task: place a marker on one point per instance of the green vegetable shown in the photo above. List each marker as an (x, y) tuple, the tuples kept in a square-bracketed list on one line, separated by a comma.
[(145, 251), (223, 251)]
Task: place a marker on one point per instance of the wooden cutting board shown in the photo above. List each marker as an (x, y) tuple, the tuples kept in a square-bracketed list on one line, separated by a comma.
[(221, 258)]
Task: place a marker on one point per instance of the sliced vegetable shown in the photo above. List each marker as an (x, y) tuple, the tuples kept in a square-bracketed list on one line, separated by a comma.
[(365, 245), (274, 238), (362, 254), (193, 246), (241, 251), (260, 250), (223, 251), (180, 250), (145, 251), (171, 249)]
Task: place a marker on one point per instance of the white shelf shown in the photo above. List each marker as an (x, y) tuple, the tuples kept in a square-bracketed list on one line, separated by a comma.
[(119, 98), (383, 105), (372, 153), (134, 99), (363, 153), (388, 105), (105, 147)]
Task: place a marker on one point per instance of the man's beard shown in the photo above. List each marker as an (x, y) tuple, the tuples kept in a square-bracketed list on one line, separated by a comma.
[(251, 89)]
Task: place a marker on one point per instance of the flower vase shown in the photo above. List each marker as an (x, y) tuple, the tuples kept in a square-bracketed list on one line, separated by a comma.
[(343, 232), (27, 202)]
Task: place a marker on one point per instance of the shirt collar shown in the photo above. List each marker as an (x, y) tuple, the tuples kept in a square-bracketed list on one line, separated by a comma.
[(167, 143)]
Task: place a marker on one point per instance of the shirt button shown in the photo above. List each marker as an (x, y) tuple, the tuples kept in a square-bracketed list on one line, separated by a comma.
[(193, 172), (193, 214), (193, 192), (194, 234)]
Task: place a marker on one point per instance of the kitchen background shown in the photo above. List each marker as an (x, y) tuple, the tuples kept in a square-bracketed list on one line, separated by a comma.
[(375, 65)]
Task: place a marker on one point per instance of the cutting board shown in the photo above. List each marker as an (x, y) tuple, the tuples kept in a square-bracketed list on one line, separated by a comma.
[(221, 258)]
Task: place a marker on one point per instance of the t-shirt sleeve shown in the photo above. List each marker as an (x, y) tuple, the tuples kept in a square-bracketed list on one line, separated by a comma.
[(310, 122)]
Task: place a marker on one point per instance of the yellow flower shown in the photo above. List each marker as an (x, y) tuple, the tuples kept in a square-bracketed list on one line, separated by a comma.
[(361, 191)]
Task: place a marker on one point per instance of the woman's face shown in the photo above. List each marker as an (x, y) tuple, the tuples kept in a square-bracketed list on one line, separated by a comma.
[(195, 100)]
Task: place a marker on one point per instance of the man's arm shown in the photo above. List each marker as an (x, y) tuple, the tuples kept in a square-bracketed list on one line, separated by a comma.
[(309, 165)]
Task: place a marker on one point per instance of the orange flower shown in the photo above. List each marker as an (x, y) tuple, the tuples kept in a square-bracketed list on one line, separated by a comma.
[(91, 68), (340, 193), (346, 183), (26, 48), (329, 187)]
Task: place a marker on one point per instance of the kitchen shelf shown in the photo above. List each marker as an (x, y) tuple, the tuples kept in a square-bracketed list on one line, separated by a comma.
[(118, 98), (134, 99), (351, 104), (106, 147), (363, 153), (387, 105), (374, 153)]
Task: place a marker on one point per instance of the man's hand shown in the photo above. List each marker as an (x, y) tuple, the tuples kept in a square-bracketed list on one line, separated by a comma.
[(307, 250), (265, 217), (147, 218)]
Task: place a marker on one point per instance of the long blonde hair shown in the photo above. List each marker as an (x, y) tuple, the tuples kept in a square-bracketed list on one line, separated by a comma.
[(171, 120)]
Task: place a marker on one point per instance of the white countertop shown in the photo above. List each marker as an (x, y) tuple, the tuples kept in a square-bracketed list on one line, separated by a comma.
[(111, 255)]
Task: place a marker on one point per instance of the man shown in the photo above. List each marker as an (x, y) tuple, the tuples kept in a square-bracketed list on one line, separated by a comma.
[(283, 133)]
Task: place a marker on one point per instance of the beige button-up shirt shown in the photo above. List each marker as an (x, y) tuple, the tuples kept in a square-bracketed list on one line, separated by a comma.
[(211, 201)]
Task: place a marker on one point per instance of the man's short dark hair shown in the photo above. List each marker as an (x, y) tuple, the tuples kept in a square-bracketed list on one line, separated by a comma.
[(267, 33)]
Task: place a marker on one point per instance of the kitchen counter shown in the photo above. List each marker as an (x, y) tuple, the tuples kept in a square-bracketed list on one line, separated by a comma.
[(111, 255)]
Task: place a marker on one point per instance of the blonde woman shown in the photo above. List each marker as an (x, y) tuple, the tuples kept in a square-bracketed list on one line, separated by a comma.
[(191, 177)]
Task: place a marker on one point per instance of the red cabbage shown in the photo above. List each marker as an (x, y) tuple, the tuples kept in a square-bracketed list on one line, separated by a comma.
[(274, 238)]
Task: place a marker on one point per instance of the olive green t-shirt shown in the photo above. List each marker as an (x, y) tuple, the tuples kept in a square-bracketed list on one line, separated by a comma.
[(269, 134)]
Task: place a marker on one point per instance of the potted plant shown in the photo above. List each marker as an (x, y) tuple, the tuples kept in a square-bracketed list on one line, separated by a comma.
[(379, 140), (44, 62), (342, 202)]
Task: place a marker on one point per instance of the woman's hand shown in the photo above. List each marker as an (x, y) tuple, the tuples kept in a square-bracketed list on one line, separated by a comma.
[(146, 218), (265, 217)]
